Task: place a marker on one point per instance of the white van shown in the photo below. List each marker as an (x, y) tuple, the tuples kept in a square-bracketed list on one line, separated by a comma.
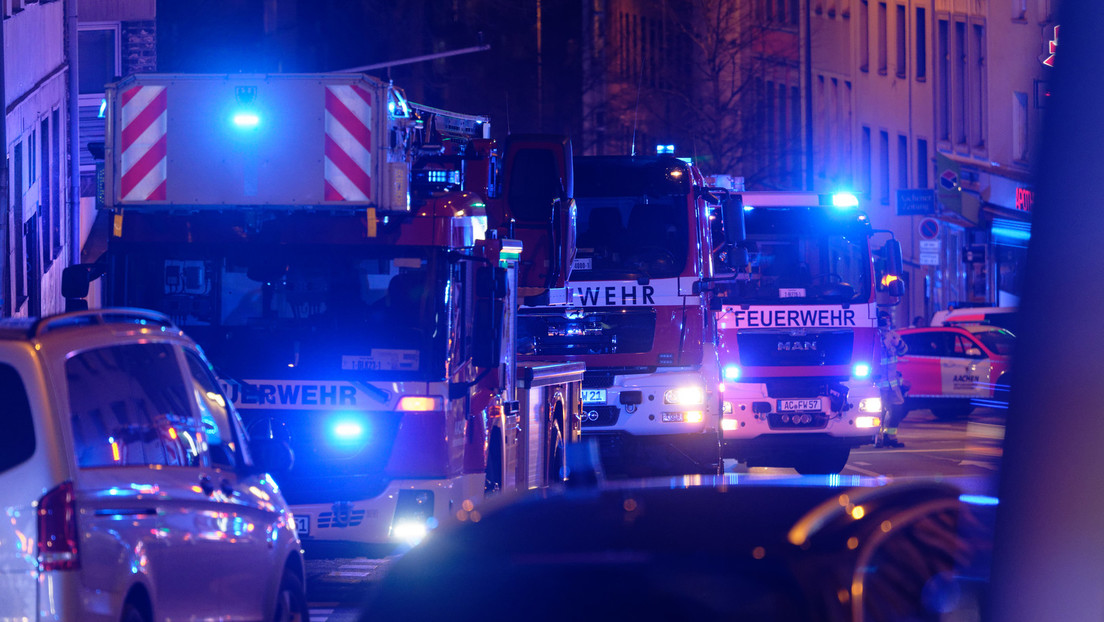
[(127, 490), (1005, 317)]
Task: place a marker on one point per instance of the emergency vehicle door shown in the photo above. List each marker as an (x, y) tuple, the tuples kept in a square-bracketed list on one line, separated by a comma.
[(966, 370), (535, 201)]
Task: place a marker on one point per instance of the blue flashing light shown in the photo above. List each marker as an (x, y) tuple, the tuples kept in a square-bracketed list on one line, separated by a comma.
[(348, 429), (979, 499), (660, 149), (246, 120), (347, 432), (861, 370), (103, 109), (845, 199), (732, 372)]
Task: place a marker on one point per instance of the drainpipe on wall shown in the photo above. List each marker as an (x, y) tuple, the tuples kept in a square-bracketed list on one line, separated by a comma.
[(74, 135), (5, 203)]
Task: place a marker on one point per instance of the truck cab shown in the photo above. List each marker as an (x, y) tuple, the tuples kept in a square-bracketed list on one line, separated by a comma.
[(799, 341)]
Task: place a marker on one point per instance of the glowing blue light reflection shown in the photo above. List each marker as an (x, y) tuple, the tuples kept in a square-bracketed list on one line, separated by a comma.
[(247, 120), (861, 370)]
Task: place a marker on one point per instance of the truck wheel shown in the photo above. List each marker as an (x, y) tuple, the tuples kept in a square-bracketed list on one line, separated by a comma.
[(824, 462), (953, 411)]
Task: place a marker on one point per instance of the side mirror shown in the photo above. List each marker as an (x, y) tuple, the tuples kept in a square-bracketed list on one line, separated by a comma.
[(271, 456), (733, 214), (896, 288), (490, 291), (74, 284), (894, 263)]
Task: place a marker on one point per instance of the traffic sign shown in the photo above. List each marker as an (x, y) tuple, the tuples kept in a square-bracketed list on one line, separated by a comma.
[(929, 228), (929, 259), (915, 202), (931, 246)]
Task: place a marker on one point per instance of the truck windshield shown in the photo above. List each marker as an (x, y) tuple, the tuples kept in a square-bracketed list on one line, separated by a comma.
[(632, 217), (294, 313), (803, 260)]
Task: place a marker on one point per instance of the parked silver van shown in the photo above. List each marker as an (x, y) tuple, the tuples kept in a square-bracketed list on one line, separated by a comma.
[(127, 488)]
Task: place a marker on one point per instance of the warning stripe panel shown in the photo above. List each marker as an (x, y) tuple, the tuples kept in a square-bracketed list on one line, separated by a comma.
[(348, 144), (144, 165)]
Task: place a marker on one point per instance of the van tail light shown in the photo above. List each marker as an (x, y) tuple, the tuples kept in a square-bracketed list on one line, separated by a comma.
[(57, 529)]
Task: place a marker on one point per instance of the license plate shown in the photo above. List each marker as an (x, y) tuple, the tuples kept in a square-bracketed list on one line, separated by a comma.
[(302, 525), (594, 396), (800, 405), (671, 417)]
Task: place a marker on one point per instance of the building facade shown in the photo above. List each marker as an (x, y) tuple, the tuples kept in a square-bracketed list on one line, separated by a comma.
[(37, 134), (932, 110)]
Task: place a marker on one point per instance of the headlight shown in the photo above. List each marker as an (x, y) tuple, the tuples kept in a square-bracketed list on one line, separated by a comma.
[(868, 422), (684, 396), (871, 405), (729, 425)]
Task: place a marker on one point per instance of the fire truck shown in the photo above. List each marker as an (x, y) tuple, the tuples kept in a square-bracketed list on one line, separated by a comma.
[(797, 319), (349, 288), (636, 318)]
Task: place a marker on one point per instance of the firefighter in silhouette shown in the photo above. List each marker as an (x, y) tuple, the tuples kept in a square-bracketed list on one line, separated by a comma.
[(890, 386)]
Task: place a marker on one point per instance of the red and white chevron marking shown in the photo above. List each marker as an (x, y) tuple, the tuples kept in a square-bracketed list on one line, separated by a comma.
[(145, 124), (348, 143)]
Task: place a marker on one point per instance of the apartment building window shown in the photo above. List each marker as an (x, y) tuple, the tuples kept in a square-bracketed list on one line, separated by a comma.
[(98, 50), (1019, 10), (902, 161), (795, 135), (921, 44), (836, 124), (921, 163), (943, 90), (822, 130), (55, 186), (864, 35), (1019, 127), (848, 144), (17, 233), (883, 167), (866, 164), (44, 207), (771, 129), (959, 93), (902, 38), (978, 114), (883, 53), (793, 12)]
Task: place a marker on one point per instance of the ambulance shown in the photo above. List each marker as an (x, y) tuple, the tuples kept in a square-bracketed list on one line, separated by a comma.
[(953, 369)]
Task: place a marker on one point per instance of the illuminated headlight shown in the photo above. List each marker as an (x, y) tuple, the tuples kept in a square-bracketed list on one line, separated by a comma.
[(861, 370), (409, 531), (694, 416), (868, 422), (420, 403), (684, 396), (871, 405), (729, 425), (727, 408), (732, 372)]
